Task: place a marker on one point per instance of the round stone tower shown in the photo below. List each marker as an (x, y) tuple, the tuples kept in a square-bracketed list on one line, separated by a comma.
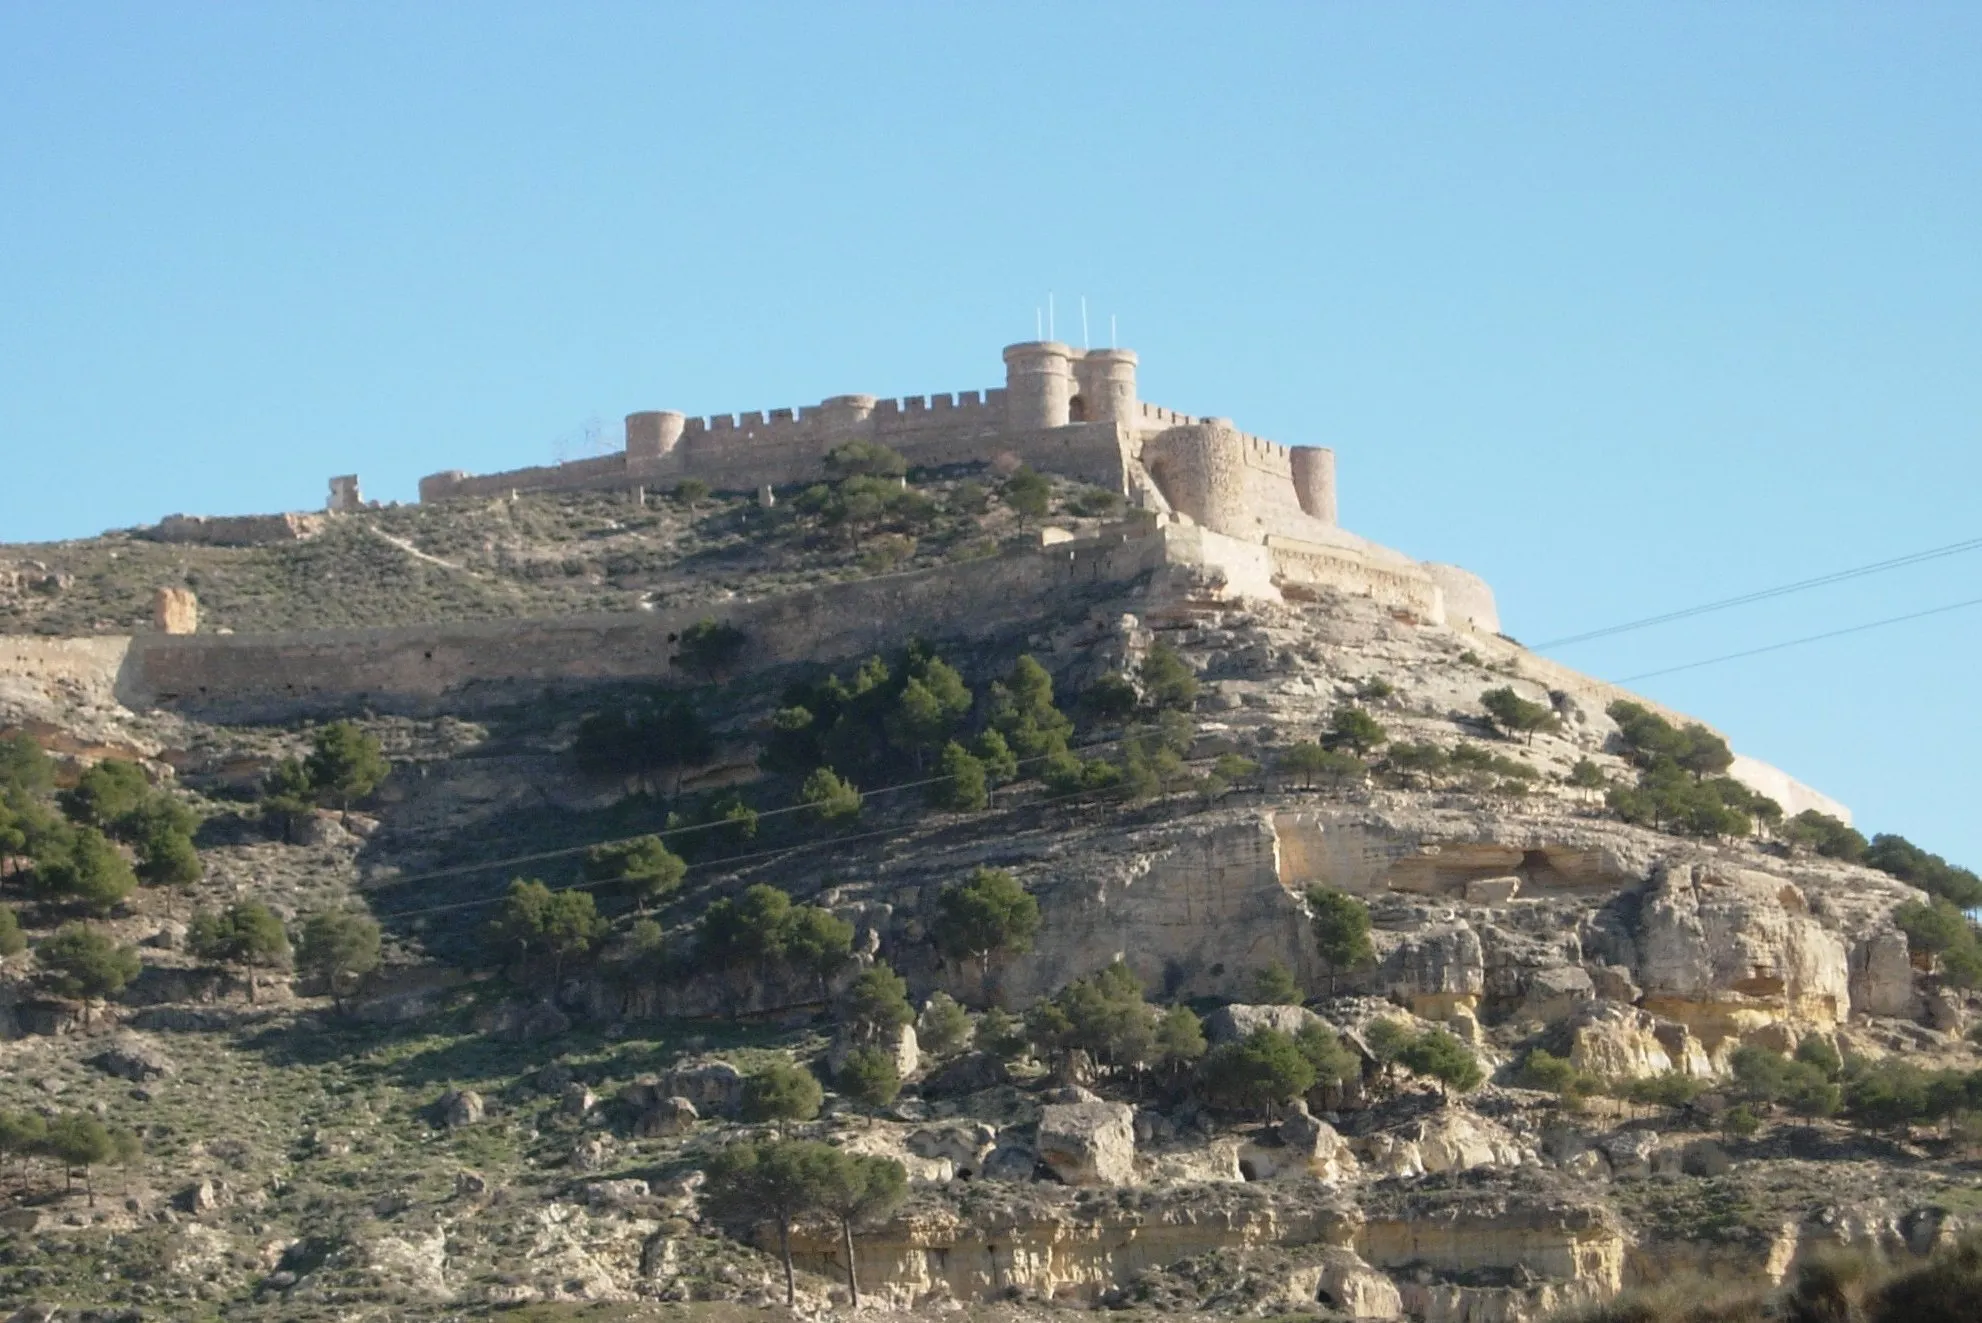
[(1039, 385), (652, 434), (1107, 379), (1200, 469), (1314, 481)]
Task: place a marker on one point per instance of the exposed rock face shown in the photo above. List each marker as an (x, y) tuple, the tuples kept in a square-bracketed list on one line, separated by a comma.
[(1231, 1023), (523, 1022), (133, 1059), (898, 1042), (1177, 908), (1309, 1149), (1091, 1143), (711, 1086), (1436, 971), (175, 611), (669, 1116), (1452, 1139), (963, 1144), (1882, 976), (461, 1107), (1618, 1042), (1727, 951)]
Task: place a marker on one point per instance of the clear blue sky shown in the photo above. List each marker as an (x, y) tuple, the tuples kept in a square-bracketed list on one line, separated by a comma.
[(1625, 306)]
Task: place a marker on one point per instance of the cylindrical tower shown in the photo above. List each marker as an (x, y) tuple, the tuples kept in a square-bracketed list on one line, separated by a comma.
[(1039, 385), (1200, 469), (652, 434), (1314, 481), (1107, 380)]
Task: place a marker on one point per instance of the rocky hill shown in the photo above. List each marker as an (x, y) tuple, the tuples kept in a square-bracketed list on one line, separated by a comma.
[(1616, 1025)]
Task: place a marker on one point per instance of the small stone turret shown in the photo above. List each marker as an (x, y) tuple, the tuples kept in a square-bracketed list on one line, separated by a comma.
[(1039, 385), (653, 434), (841, 415), (1314, 481), (1107, 380)]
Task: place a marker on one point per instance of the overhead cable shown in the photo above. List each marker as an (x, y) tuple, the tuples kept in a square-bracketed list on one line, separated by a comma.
[(1764, 594)]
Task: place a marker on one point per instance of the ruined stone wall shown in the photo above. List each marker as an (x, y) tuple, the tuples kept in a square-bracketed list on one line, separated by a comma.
[(1364, 570), (235, 530), (459, 667)]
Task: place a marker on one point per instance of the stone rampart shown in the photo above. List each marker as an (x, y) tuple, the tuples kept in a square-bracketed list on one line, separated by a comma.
[(462, 667), (235, 530), (742, 455)]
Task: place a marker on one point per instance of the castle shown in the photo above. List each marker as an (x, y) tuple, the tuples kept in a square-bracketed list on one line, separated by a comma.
[(1262, 512)]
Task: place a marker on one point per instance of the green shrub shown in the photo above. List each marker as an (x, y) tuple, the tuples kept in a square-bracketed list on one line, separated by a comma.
[(988, 914), (83, 962), (245, 933), (643, 866), (1516, 715), (1826, 835), (1265, 1070), (781, 1091), (869, 1077), (1274, 985), (1354, 729), (943, 1026), (1341, 925)]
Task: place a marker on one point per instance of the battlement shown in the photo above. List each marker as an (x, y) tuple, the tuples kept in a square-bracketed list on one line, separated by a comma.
[(1061, 410)]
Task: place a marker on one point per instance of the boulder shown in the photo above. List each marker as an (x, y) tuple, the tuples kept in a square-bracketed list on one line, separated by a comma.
[(973, 1072), (589, 1154), (577, 1100), (1555, 994), (1088, 1143), (898, 1041), (1631, 1153), (1435, 970), (469, 1184), (1314, 1146), (1617, 1042), (1230, 1023), (711, 1086), (132, 1058), (963, 1144), (461, 1107), (1881, 976), (1943, 1009), (1350, 1286), (1492, 890), (1456, 1139), (615, 1194), (666, 1118), (1009, 1162), (523, 1022)]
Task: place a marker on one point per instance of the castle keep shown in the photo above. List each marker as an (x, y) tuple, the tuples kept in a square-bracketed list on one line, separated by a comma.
[(1264, 513)]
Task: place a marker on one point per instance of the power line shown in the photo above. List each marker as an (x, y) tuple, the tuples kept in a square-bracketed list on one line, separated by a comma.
[(1811, 638), (725, 861), (1762, 595)]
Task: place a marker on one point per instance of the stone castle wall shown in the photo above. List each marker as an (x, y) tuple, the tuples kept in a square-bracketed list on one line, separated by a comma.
[(235, 530), (479, 664), (1073, 413)]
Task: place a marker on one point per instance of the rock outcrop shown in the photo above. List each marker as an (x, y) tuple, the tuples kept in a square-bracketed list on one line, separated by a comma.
[(1088, 1143)]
